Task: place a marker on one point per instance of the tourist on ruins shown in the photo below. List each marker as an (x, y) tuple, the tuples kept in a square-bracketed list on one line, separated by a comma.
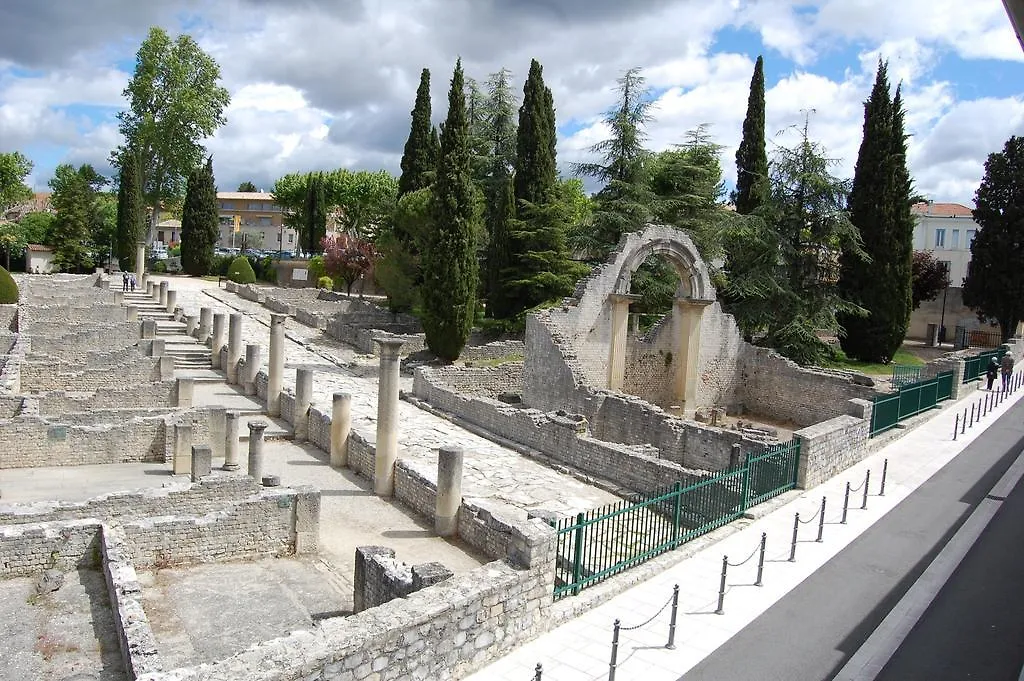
[(131, 282), (124, 281), (991, 371), (1006, 364)]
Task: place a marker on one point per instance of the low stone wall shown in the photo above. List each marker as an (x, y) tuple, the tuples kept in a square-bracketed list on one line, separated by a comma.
[(134, 634), (41, 374), (9, 318), (830, 447), (362, 338), (263, 526), (445, 631), (209, 494), (25, 550), (483, 381), (145, 395), (10, 366), (27, 442), (77, 343), (380, 577), (10, 406)]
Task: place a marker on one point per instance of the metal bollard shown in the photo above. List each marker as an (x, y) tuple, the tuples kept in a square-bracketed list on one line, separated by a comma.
[(885, 473), (760, 559), (537, 672), (963, 423), (615, 652), (867, 483), (979, 408), (671, 645), (846, 503), (821, 521), (972, 415), (796, 532), (956, 426), (985, 412), (721, 587)]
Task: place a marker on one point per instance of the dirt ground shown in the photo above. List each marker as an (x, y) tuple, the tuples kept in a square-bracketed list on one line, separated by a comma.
[(67, 635)]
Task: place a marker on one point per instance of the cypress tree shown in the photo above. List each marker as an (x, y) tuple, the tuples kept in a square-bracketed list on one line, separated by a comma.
[(536, 170), (315, 213), (501, 213), (450, 270), (130, 214), (418, 161), (199, 221), (879, 207), (752, 184)]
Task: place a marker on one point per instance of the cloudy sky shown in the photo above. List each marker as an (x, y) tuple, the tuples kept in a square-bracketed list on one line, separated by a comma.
[(319, 84)]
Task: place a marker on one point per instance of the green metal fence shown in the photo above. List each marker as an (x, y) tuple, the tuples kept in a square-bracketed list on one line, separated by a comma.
[(605, 541), (910, 400), (974, 367), (904, 374)]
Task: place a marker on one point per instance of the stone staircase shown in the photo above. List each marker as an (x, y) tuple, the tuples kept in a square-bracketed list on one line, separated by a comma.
[(188, 353)]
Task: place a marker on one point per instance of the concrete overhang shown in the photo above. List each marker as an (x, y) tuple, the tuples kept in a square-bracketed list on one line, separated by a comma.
[(1015, 10)]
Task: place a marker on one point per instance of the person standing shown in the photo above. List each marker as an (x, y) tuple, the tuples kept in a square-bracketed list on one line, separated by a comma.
[(124, 281), (1006, 366), (992, 371)]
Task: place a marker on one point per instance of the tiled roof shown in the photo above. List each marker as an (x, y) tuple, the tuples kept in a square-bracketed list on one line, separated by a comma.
[(246, 196), (942, 210), (37, 247)]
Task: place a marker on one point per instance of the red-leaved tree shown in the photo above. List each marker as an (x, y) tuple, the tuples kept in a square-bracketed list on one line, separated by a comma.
[(348, 258)]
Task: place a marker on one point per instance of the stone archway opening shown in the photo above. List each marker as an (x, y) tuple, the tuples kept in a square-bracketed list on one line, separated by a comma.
[(655, 338)]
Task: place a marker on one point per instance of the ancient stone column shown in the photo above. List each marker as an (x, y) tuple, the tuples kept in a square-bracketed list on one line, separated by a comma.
[(191, 325), (140, 261), (202, 461), (341, 425), (149, 288), (687, 358), (149, 328), (218, 431), (186, 391), (252, 367), (387, 418), (162, 300), (449, 491), (256, 429), (182, 464), (619, 334), (234, 346), (132, 313), (172, 300), (118, 297), (158, 348), (205, 323), (217, 340), (231, 419), (275, 373), (303, 400)]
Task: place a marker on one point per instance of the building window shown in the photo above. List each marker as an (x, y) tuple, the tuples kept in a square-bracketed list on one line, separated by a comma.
[(255, 206), (264, 221), (971, 233), (940, 238), (291, 238), (955, 241), (227, 205), (160, 236)]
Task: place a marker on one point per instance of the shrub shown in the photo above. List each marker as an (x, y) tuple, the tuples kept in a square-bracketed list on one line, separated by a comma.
[(221, 264), (317, 268), (158, 267), (8, 288), (325, 283), (241, 272)]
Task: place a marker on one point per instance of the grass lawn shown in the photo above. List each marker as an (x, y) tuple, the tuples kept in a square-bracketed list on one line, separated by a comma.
[(874, 369)]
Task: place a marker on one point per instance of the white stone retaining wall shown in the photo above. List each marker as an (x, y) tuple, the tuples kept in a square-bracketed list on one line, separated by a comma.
[(28, 549), (145, 395), (37, 374), (832, 446), (27, 442)]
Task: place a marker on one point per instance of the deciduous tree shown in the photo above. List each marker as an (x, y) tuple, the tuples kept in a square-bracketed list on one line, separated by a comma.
[(931, 277), (14, 168), (247, 187), (74, 200), (994, 287), (348, 258)]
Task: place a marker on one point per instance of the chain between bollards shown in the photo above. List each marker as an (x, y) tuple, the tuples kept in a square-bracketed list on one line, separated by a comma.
[(867, 484), (885, 473), (796, 532), (615, 652), (721, 587), (671, 645), (821, 521), (846, 503), (760, 560), (537, 672)]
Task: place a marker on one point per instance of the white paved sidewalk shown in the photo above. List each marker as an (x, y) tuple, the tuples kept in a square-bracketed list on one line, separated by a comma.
[(580, 648)]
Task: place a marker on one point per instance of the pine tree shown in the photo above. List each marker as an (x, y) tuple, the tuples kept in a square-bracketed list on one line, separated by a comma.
[(880, 203), (130, 214), (536, 170), (199, 221), (449, 254), (498, 188), (315, 228), (417, 160), (752, 185)]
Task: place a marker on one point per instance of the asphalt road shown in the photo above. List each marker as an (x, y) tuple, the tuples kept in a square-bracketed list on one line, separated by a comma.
[(812, 632)]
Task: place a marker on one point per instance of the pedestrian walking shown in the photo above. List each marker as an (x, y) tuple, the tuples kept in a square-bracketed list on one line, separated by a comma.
[(1006, 366), (131, 282), (992, 371), (124, 281)]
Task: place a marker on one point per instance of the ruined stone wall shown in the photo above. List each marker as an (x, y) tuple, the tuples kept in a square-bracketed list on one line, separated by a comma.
[(80, 342), (209, 494), (482, 381), (830, 447), (380, 577), (25, 550), (27, 442), (9, 318), (10, 406), (10, 366), (134, 634), (144, 395), (37, 374)]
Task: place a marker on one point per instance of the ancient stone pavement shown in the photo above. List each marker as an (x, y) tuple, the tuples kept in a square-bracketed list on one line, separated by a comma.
[(495, 478)]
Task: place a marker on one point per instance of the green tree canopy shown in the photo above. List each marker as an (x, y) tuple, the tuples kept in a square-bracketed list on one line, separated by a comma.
[(75, 201), (12, 241), (14, 168), (247, 187), (314, 228), (994, 287), (931, 277), (37, 227), (450, 274), (131, 215), (175, 102)]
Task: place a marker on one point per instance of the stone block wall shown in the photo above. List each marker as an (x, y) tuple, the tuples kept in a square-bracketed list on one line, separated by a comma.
[(32, 441), (142, 396), (27, 549), (134, 634), (10, 366), (9, 318), (832, 446), (208, 495), (44, 374), (10, 405), (79, 342), (482, 381), (380, 577)]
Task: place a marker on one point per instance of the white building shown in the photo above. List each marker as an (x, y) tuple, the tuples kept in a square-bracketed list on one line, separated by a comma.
[(946, 229)]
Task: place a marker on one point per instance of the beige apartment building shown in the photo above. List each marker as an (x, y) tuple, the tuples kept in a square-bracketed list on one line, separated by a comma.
[(251, 219)]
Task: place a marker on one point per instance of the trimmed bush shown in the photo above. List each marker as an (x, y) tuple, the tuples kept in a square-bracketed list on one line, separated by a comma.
[(241, 272), (159, 267), (325, 283), (8, 288)]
